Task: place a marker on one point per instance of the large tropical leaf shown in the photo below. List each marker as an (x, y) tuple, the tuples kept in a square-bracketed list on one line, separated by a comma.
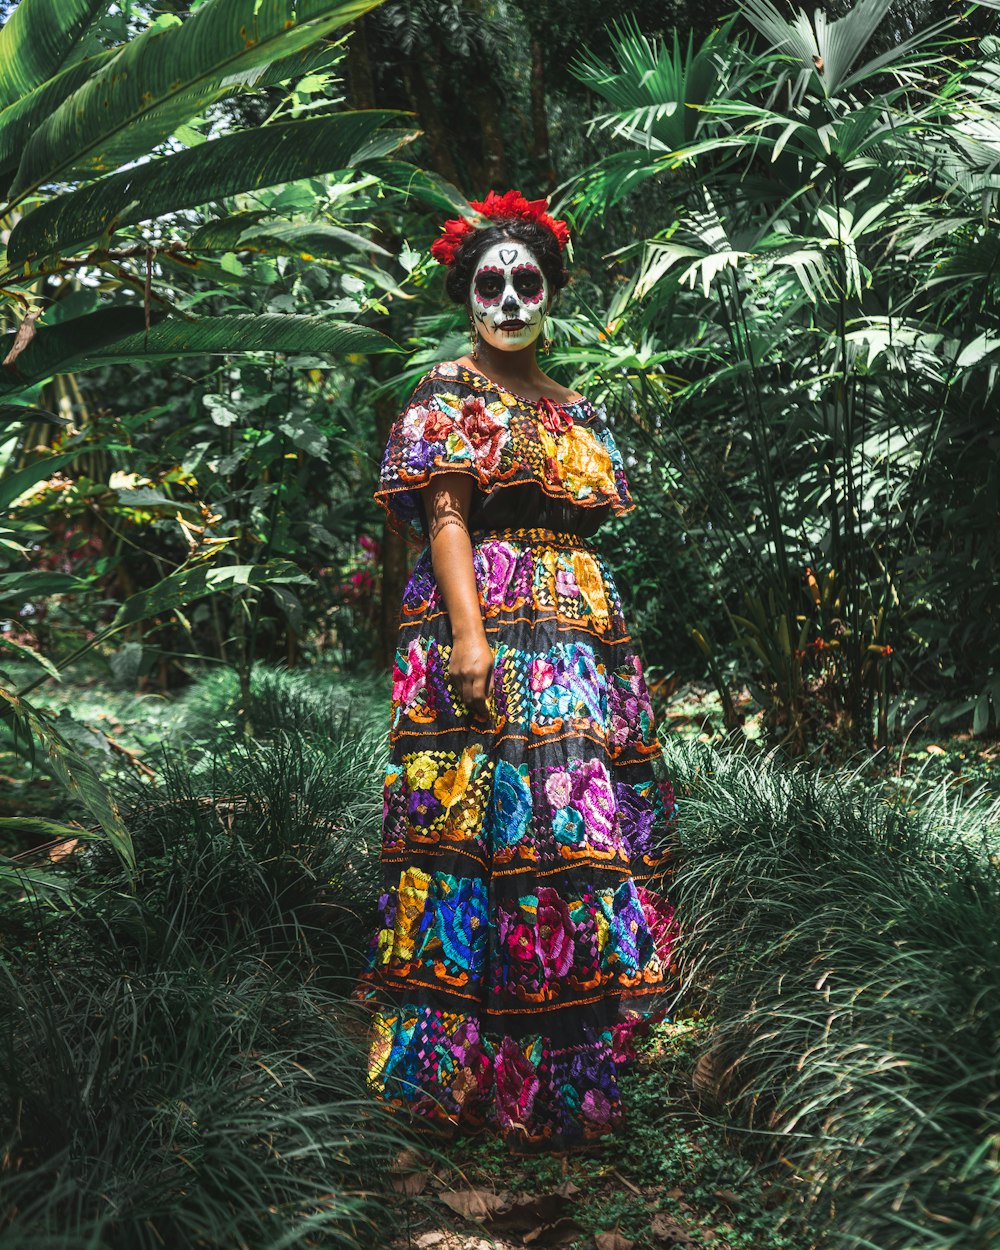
[(240, 162), (830, 50), (36, 40), (117, 336), (21, 118), (166, 76)]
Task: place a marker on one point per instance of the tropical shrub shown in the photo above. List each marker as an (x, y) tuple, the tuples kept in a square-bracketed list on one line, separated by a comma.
[(818, 300)]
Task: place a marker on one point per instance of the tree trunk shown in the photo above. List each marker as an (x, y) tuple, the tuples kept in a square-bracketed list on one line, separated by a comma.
[(540, 150)]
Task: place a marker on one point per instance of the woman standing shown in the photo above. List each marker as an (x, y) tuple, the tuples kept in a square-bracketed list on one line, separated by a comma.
[(518, 945)]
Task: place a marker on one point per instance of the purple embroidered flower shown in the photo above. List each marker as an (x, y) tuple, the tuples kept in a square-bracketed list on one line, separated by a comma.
[(517, 1085), (593, 797), (423, 808), (628, 927), (566, 584), (597, 1106), (501, 562), (618, 734), (555, 933), (635, 819), (421, 455)]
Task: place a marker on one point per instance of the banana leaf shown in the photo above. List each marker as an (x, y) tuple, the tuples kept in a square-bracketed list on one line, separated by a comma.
[(103, 338), (242, 162), (36, 40), (168, 75)]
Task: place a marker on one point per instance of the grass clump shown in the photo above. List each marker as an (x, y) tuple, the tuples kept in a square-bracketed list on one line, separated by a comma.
[(179, 1063), (847, 941)]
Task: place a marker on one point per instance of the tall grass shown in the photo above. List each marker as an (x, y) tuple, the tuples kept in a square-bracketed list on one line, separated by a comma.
[(179, 1065), (847, 939)]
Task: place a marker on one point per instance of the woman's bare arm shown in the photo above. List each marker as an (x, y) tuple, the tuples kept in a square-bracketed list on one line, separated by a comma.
[(446, 501)]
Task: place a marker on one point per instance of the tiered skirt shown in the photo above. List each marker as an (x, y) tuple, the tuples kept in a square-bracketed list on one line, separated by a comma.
[(524, 931)]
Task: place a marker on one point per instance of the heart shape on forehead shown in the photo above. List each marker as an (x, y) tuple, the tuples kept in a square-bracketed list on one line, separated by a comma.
[(508, 255)]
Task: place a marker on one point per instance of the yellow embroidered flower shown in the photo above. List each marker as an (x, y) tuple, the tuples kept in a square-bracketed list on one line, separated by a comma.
[(412, 900), (445, 790), (585, 463), (421, 771), (381, 1046), (603, 929), (591, 586)]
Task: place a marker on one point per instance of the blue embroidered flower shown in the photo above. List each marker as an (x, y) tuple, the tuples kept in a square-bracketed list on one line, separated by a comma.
[(510, 813), (629, 930), (460, 922), (567, 825)]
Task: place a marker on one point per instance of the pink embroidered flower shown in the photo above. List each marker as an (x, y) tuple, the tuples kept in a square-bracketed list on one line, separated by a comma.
[(559, 788), (566, 584), (542, 674), (555, 933), (660, 918), (517, 1085), (409, 681), (414, 421), (520, 942), (487, 436)]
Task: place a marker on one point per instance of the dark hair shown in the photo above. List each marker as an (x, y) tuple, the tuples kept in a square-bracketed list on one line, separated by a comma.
[(539, 238)]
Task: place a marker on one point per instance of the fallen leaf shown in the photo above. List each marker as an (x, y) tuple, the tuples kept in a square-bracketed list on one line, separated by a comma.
[(409, 1183), (729, 1197), (550, 1236), (676, 1192), (529, 1210), (613, 1241), (568, 1189), (666, 1229), (474, 1204), (408, 1160)]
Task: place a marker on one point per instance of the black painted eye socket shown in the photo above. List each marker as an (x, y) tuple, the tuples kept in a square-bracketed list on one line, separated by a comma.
[(528, 283), (489, 285)]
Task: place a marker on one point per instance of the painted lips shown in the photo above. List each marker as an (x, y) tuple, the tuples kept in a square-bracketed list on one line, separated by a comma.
[(512, 325)]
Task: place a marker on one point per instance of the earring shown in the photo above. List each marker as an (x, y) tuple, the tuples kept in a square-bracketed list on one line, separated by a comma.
[(475, 339), (546, 341)]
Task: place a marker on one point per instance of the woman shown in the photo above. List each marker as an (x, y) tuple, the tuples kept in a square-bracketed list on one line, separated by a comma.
[(518, 947)]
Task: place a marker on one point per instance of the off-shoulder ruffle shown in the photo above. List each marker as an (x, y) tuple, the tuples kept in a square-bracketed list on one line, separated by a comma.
[(459, 421)]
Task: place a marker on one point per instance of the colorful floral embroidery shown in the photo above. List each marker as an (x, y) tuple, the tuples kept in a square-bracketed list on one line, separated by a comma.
[(524, 934), (459, 421)]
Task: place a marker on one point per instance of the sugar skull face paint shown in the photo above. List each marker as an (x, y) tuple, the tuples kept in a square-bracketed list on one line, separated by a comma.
[(508, 296)]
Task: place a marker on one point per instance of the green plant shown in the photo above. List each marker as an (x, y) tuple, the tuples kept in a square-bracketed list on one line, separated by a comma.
[(807, 174)]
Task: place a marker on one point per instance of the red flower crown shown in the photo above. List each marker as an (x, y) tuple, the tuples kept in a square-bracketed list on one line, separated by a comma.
[(497, 208)]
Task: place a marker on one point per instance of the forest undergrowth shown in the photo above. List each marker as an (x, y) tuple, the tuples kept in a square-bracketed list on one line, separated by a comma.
[(179, 1063)]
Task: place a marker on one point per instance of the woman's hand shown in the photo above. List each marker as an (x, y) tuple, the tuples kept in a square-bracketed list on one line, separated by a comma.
[(470, 672), (446, 501)]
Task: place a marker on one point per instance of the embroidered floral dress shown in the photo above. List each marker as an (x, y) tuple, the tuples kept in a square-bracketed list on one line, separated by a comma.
[(523, 930)]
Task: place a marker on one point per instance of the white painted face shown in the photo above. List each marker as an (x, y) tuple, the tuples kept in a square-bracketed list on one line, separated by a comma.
[(508, 296)]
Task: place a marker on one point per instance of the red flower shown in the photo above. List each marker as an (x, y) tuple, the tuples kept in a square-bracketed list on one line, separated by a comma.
[(517, 1084), (486, 435), (555, 933), (510, 205)]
